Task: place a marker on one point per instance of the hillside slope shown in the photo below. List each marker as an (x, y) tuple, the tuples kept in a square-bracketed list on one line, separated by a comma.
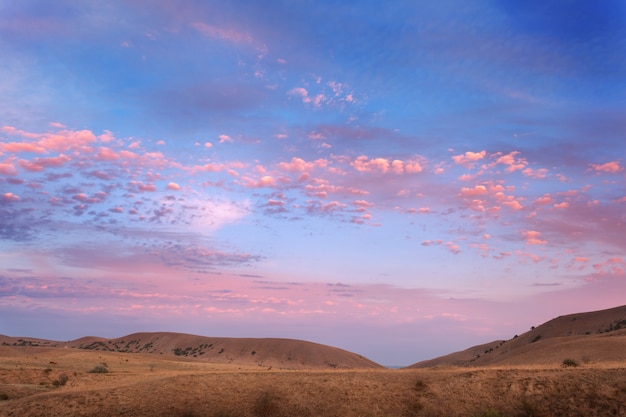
[(267, 352), (598, 336)]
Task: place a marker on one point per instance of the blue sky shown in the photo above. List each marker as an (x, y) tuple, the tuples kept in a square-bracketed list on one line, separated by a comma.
[(400, 179)]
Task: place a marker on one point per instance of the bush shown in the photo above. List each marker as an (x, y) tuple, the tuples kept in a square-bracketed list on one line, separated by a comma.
[(568, 363), (60, 381), (100, 369), (4, 397)]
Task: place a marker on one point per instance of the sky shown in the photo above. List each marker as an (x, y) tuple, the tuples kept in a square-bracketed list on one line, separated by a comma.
[(400, 179)]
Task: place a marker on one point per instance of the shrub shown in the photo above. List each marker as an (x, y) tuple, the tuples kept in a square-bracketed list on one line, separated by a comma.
[(4, 397), (60, 381), (569, 363), (100, 369)]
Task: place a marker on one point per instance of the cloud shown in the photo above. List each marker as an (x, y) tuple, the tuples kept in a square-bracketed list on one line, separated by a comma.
[(512, 161), (173, 186), (229, 35), (364, 164), (10, 197), (474, 191), (39, 164), (612, 167), (140, 187), (300, 165), (469, 159), (7, 168), (225, 138), (533, 237)]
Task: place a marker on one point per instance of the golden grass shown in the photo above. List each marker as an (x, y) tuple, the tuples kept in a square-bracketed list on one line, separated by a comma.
[(154, 385)]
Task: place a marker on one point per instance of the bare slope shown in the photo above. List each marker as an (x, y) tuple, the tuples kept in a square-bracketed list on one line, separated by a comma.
[(598, 336), (267, 352)]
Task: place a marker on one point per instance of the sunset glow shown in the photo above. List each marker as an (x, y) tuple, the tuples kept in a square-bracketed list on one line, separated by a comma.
[(399, 179)]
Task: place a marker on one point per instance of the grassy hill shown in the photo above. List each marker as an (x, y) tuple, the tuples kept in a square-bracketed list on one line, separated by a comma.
[(598, 336), (266, 352)]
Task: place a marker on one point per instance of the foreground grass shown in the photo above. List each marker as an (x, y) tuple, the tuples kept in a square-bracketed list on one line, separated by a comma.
[(62, 382), (266, 393)]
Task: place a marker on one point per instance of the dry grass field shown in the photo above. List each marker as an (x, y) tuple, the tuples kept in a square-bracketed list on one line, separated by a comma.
[(44, 381)]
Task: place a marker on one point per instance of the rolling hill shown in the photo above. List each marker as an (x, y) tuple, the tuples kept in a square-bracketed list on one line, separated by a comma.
[(266, 352), (598, 336)]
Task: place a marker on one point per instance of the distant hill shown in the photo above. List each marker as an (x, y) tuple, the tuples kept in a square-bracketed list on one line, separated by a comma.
[(598, 336), (266, 352)]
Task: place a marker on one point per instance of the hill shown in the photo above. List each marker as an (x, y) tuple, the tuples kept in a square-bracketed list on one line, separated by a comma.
[(598, 336), (266, 352)]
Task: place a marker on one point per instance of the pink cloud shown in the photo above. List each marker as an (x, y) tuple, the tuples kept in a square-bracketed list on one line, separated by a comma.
[(512, 161), (362, 205), (16, 147), (540, 173), (229, 35), (513, 204), (66, 140), (106, 154), (299, 165), (410, 167), (16, 132), (173, 186), (332, 206), (543, 200), (323, 187), (363, 164), (266, 181), (469, 159), (473, 192), (7, 168), (39, 164), (107, 137), (137, 186), (82, 197), (225, 138), (453, 248), (533, 237), (300, 92), (615, 266), (128, 154), (10, 197), (216, 167), (609, 167), (316, 136)]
